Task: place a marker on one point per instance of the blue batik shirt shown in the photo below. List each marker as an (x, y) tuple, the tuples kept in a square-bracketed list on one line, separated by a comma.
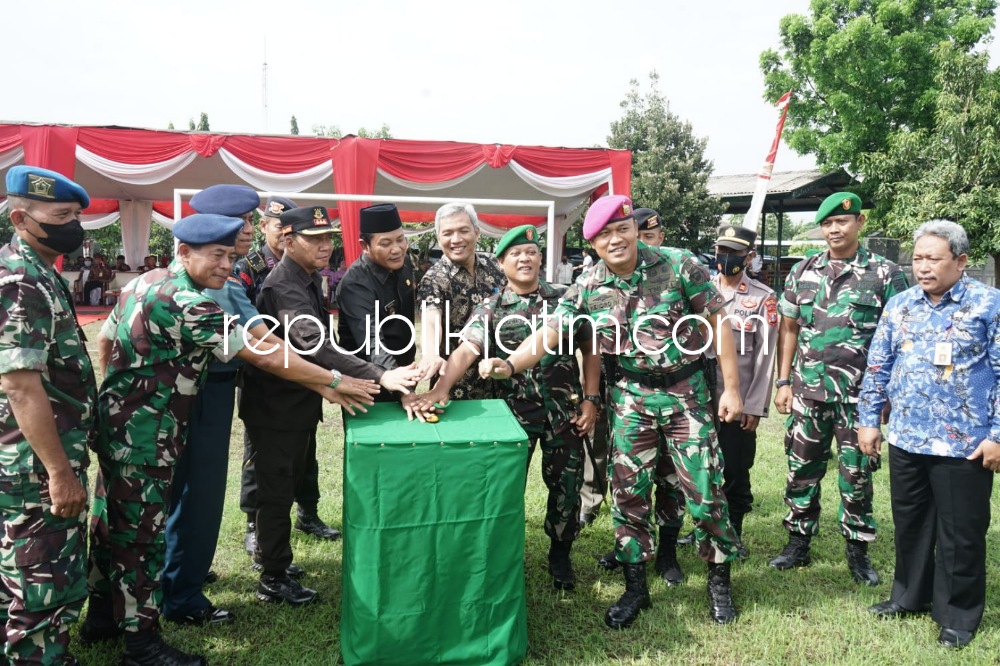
[(940, 410)]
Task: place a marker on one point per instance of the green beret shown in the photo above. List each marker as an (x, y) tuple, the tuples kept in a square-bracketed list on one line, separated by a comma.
[(840, 203), (525, 233)]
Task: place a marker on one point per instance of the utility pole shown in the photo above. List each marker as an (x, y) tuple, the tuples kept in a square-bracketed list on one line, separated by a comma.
[(265, 84)]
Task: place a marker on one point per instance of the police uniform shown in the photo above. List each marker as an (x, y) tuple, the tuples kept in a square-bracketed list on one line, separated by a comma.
[(162, 335), (199, 489), (544, 400), (281, 416), (371, 300), (837, 304), (659, 404), (450, 288), (42, 556), (752, 315)]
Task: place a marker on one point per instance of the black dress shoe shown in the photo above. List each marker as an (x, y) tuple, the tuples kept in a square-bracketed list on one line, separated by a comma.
[(208, 615), (890, 609), (314, 525), (283, 589), (292, 571), (211, 577), (955, 638), (158, 653)]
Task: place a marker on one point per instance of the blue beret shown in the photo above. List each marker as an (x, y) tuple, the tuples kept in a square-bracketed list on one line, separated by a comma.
[(205, 228), (277, 205), (521, 235), (44, 185), (229, 200), (840, 203)]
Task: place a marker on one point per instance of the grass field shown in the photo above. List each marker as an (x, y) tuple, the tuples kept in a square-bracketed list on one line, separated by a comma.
[(814, 615)]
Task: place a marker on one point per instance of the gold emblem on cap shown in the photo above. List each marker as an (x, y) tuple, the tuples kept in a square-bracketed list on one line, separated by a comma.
[(41, 186), (318, 213), (846, 204), (277, 207), (529, 234), (652, 222), (730, 232), (626, 209)]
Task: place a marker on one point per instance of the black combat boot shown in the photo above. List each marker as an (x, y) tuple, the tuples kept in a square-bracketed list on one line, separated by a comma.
[(623, 613), (283, 589), (100, 624), (859, 563), (146, 648), (311, 523), (560, 565), (609, 560), (795, 554), (737, 520), (666, 557), (720, 594)]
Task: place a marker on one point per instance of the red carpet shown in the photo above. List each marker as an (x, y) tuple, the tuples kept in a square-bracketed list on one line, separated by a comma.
[(88, 314)]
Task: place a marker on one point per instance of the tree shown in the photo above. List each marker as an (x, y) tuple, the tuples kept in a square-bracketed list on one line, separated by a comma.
[(203, 122), (170, 126), (333, 131), (669, 170), (951, 170), (863, 69), (191, 125), (295, 126)]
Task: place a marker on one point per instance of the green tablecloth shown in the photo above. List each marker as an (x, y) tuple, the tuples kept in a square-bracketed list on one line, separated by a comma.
[(434, 537)]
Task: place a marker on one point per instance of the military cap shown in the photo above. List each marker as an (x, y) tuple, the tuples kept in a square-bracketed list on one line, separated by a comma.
[(521, 235), (840, 203), (208, 228), (613, 208), (44, 185), (647, 219), (380, 219), (308, 220), (736, 237), (228, 200), (277, 205)]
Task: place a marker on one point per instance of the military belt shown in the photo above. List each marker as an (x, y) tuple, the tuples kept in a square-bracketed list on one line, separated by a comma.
[(659, 380)]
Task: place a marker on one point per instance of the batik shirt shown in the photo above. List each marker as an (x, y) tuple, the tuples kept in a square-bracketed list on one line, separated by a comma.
[(940, 406), (38, 331)]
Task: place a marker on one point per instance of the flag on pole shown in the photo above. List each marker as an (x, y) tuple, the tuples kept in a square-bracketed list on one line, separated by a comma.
[(764, 177)]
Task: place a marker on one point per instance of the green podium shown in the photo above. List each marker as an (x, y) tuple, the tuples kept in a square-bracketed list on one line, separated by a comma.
[(434, 537)]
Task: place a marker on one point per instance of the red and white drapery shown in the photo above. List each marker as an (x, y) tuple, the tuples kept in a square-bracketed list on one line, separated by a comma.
[(137, 170)]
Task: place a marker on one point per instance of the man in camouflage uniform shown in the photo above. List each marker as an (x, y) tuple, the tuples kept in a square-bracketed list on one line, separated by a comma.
[(635, 297), (47, 397), (829, 309), (546, 400), (251, 271), (154, 350), (450, 290)]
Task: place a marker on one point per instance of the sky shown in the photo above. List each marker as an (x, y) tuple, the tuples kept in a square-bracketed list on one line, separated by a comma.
[(512, 72)]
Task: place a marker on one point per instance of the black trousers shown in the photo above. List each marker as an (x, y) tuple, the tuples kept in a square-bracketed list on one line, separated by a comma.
[(941, 511), (739, 449), (281, 457), (306, 493)]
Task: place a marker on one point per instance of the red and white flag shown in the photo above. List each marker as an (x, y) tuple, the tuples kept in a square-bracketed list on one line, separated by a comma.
[(764, 177)]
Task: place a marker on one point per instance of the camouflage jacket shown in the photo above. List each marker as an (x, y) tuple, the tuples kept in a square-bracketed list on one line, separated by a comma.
[(163, 332), (542, 392), (638, 318), (38, 331), (451, 289), (837, 305), (251, 270)]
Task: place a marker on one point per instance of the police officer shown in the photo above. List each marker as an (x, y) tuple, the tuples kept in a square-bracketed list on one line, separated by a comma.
[(281, 417), (635, 297), (752, 313), (450, 290), (47, 397), (154, 350), (829, 309), (546, 400), (375, 298)]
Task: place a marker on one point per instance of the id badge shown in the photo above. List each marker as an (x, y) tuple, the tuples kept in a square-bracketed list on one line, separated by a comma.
[(942, 354)]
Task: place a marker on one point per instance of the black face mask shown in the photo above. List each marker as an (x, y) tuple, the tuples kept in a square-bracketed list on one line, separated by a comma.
[(63, 238), (729, 264)]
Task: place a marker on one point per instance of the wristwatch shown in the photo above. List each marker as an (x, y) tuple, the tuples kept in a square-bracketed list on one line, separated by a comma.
[(337, 376), (511, 366), (596, 399), (782, 382)]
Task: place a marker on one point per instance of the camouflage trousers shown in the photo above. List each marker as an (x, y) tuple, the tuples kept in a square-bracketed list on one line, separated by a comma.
[(811, 428), (661, 439), (562, 472), (43, 574), (127, 543)]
